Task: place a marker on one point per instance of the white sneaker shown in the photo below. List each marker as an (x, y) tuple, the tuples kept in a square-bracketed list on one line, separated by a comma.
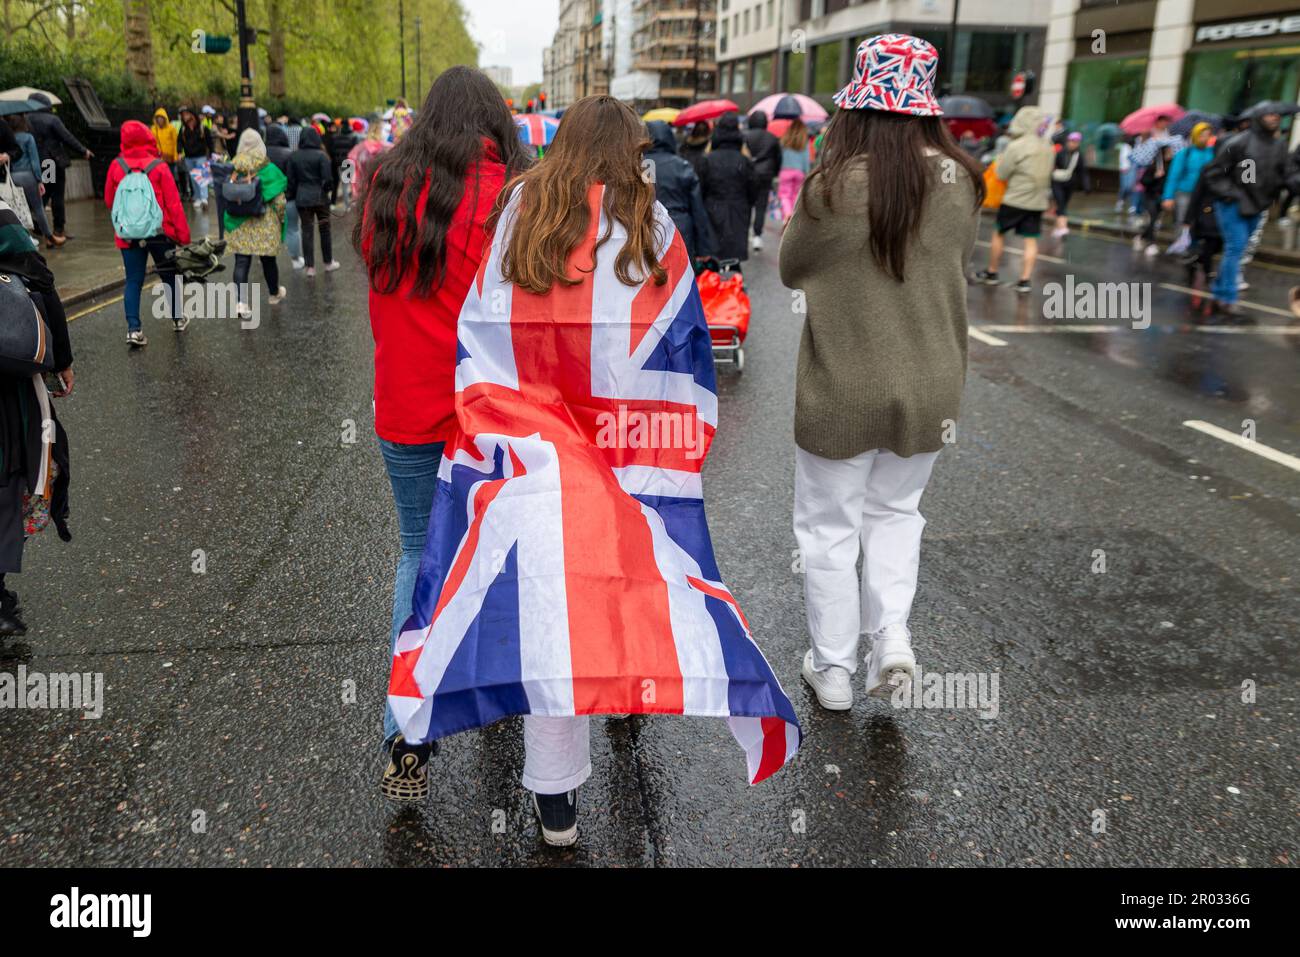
[(1060, 231), (278, 297), (1137, 244), (890, 661), (243, 311), (1152, 251), (298, 263), (310, 272), (832, 687), (756, 243), (331, 266)]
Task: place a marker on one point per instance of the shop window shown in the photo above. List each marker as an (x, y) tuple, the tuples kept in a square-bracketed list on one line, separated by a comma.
[(739, 76), (763, 75), (1098, 94), (794, 73), (1228, 81), (826, 68)]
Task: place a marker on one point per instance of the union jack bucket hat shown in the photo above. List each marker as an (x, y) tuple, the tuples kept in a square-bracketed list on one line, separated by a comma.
[(893, 72)]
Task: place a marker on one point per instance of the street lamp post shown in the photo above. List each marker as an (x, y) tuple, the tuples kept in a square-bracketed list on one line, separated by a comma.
[(247, 116), (951, 72), (401, 40)]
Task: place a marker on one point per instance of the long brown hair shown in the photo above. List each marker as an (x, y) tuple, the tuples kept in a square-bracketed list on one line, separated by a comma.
[(796, 136), (600, 140), (899, 184)]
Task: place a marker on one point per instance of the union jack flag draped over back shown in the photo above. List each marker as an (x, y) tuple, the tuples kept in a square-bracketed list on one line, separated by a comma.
[(568, 568)]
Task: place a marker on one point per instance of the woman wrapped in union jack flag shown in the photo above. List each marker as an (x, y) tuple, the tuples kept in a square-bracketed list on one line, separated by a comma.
[(568, 569)]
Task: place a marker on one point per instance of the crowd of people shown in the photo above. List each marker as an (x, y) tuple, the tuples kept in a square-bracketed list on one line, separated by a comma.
[(1214, 183), (868, 422), (448, 194)]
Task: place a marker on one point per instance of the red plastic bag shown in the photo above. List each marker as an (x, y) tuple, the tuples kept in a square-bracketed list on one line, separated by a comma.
[(726, 304)]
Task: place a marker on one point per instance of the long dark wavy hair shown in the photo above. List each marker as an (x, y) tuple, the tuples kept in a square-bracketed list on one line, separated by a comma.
[(894, 146), (463, 109)]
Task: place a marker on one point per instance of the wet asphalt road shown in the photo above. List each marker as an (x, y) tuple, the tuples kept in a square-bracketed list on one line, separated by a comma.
[(1119, 692)]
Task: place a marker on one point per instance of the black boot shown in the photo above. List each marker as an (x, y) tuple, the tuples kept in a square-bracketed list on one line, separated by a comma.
[(11, 622)]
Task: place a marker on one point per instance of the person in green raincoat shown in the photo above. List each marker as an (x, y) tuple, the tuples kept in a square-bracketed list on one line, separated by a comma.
[(261, 236)]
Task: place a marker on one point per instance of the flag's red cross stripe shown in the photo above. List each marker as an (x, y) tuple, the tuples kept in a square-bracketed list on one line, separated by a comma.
[(608, 548)]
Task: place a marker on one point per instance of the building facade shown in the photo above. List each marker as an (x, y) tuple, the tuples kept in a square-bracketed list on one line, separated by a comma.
[(577, 62), (1106, 58), (502, 76), (807, 46), (647, 52), (675, 42)]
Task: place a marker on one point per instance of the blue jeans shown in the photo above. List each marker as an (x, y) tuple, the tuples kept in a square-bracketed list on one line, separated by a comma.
[(293, 230), (1236, 230), (135, 259), (413, 473), (200, 190)]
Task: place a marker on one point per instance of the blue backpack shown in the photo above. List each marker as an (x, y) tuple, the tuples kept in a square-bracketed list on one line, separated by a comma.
[(136, 213)]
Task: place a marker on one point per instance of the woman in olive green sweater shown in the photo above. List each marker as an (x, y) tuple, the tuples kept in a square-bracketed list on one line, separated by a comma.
[(878, 250)]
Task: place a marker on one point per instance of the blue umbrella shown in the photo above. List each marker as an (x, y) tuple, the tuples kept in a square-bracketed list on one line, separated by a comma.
[(9, 107)]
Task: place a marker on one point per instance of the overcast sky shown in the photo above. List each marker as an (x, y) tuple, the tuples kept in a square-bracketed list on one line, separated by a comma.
[(512, 33)]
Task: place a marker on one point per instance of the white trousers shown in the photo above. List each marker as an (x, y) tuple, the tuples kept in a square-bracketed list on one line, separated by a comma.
[(557, 753), (865, 504)]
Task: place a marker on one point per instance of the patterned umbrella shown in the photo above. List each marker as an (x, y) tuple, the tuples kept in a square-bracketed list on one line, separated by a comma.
[(1144, 154), (535, 129)]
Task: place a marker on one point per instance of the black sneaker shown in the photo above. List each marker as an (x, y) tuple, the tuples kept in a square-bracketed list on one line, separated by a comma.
[(986, 277), (558, 815), (1024, 286), (11, 623), (407, 776)]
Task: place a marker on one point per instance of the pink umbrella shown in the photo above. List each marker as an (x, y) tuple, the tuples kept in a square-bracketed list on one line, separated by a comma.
[(706, 110), (813, 111), (1141, 121)]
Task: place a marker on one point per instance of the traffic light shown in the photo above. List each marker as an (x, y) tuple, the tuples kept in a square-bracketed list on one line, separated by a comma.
[(541, 98)]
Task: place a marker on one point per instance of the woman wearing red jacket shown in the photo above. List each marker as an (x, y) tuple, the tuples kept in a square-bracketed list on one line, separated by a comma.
[(139, 150), (444, 176)]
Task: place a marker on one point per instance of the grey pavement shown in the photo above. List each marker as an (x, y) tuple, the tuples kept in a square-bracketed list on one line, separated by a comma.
[(1120, 693)]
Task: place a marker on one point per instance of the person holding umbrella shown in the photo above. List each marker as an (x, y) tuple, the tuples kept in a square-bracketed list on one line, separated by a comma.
[(53, 142)]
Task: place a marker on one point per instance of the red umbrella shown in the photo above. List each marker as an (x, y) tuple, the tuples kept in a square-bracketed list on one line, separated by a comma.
[(705, 110), (1141, 121)]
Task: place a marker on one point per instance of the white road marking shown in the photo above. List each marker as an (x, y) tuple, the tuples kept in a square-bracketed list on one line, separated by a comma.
[(1062, 327), (984, 337), (1016, 252), (1086, 328), (1250, 445), (1202, 293)]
